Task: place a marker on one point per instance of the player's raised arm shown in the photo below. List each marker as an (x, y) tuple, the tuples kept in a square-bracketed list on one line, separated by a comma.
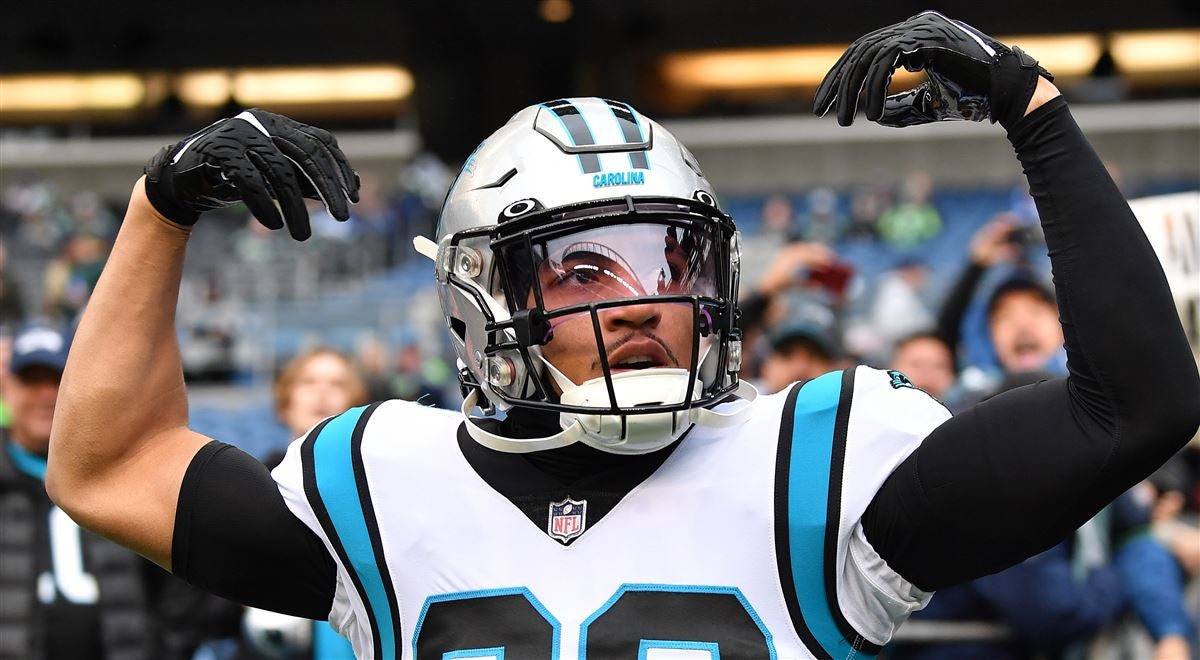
[(120, 445), (1013, 475)]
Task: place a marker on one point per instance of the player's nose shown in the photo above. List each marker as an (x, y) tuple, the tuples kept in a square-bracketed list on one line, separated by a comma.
[(628, 317)]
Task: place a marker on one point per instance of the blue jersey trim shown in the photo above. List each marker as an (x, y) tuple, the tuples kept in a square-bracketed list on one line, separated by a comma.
[(328, 644), (813, 422), (333, 464), (496, 652)]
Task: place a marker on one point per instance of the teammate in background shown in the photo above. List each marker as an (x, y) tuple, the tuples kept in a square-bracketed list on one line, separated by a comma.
[(588, 278)]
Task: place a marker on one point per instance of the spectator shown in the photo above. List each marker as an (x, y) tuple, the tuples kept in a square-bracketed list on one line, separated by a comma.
[(805, 341), (372, 357), (823, 224), (1022, 316), (415, 379), (866, 205), (67, 593), (777, 231), (211, 320), (789, 269), (315, 385), (913, 220), (1058, 603), (12, 301), (897, 309), (1020, 313), (90, 216), (928, 362), (379, 222), (5, 356), (70, 278), (1167, 492)]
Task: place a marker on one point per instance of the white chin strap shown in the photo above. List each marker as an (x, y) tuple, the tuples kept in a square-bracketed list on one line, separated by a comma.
[(617, 434)]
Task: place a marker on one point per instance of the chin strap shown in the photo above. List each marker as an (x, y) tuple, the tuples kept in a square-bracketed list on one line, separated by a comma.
[(575, 431)]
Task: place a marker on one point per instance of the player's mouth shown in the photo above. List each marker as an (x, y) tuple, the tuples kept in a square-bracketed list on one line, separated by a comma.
[(639, 353)]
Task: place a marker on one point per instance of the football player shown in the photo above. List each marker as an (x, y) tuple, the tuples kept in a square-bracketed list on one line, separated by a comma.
[(636, 499)]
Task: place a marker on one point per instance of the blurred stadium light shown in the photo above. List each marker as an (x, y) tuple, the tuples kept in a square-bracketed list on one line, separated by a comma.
[(1162, 53), (748, 68), (69, 92), (30, 96), (1158, 52), (321, 85)]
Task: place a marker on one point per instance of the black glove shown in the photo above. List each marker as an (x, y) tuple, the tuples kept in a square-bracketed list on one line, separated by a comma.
[(971, 75), (258, 158)]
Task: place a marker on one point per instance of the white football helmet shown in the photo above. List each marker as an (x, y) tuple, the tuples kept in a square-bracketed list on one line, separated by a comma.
[(574, 215)]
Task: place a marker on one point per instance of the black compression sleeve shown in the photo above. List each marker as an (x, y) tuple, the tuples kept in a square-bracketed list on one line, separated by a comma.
[(1013, 475), (235, 536)]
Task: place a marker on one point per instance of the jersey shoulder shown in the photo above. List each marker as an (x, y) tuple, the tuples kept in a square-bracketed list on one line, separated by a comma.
[(886, 401)]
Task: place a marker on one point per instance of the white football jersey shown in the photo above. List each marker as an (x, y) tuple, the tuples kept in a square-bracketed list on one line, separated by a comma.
[(744, 543)]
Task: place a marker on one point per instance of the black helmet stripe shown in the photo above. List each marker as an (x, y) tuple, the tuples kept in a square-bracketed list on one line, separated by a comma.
[(631, 130), (577, 129)]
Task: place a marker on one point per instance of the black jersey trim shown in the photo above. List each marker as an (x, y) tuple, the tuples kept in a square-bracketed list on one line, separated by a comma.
[(578, 130), (308, 463), (833, 515), (783, 549), (631, 130), (364, 498)]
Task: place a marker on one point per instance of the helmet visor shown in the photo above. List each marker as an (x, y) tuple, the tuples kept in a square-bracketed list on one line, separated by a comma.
[(622, 261)]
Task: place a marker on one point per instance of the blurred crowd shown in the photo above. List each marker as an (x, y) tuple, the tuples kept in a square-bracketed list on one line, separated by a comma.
[(1127, 584), (890, 274)]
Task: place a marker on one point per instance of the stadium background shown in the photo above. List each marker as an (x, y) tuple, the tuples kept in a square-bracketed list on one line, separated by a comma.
[(88, 92)]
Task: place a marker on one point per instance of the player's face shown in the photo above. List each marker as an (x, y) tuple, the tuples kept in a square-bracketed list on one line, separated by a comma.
[(927, 363), (31, 395), (323, 387), (1025, 331), (622, 262)]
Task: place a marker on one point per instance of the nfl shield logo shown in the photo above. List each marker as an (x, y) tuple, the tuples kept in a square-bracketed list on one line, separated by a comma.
[(568, 519)]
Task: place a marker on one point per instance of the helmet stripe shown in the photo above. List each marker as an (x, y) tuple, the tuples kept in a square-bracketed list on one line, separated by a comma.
[(631, 130), (578, 130)]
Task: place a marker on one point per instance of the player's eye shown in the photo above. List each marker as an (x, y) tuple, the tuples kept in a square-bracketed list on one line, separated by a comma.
[(578, 274)]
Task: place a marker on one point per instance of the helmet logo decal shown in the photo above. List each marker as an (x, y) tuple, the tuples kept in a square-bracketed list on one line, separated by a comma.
[(568, 519)]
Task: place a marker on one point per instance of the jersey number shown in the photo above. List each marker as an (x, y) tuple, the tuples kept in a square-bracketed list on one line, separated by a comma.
[(642, 621)]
